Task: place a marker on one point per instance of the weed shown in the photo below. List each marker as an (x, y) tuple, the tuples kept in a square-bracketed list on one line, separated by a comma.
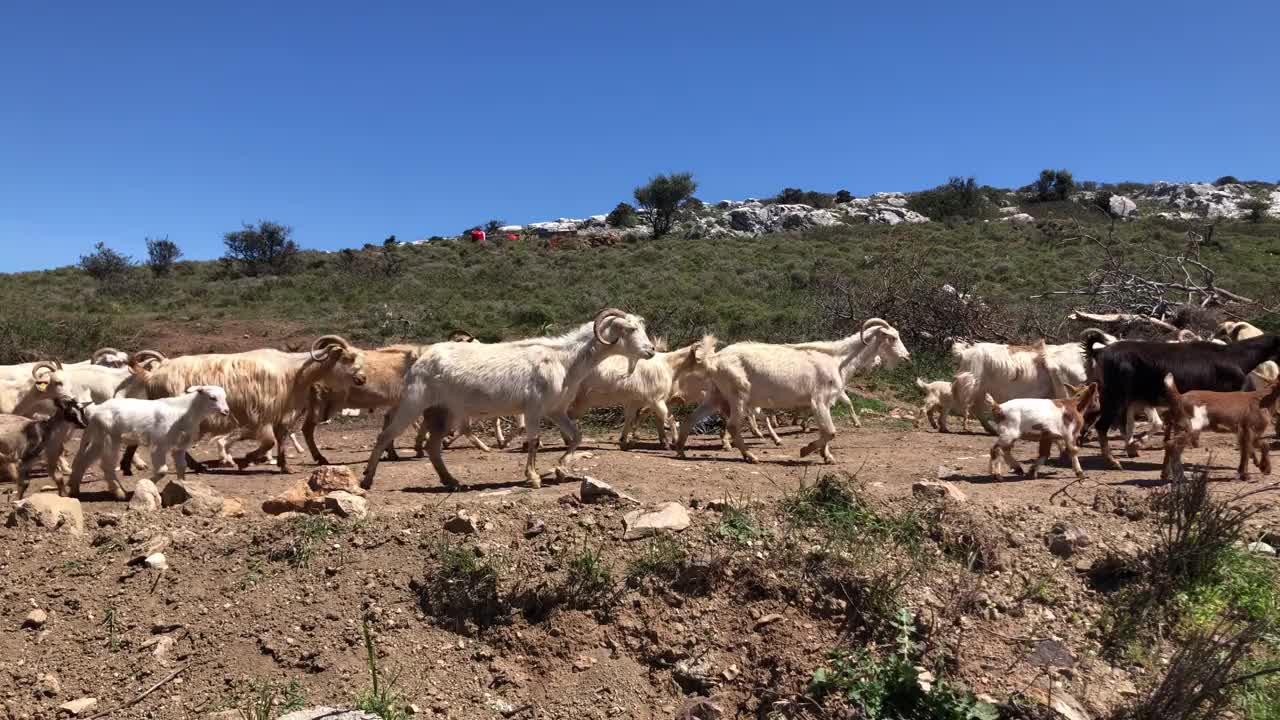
[(252, 574), (664, 558), (270, 699), (305, 533), (461, 587), (892, 687), (962, 537), (109, 620), (78, 568), (588, 581), (381, 697), (738, 524), (837, 506), (1039, 589)]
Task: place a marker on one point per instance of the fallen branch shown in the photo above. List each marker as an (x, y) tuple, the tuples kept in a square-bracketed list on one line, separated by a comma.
[(145, 693), (1115, 318)]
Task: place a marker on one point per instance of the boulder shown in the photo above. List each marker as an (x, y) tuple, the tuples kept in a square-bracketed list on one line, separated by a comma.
[(1019, 218), (48, 511), (292, 500), (667, 517), (1201, 199), (328, 478), (193, 496), (145, 498), (345, 504), (938, 490), (1123, 207)]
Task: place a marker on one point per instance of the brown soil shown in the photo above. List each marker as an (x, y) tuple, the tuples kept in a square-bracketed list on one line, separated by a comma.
[(244, 606)]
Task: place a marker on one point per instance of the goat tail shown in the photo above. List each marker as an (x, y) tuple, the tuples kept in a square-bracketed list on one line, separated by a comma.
[(1171, 386), (1092, 341), (997, 412), (920, 383)]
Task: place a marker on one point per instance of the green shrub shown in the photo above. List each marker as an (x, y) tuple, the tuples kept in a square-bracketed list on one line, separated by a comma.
[(105, 265), (663, 197), (162, 253), (1257, 208), (1226, 180), (1053, 185), (959, 198), (622, 216), (265, 249)]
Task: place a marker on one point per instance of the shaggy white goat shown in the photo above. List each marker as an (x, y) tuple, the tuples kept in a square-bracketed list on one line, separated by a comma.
[(168, 425), (751, 375), (534, 377)]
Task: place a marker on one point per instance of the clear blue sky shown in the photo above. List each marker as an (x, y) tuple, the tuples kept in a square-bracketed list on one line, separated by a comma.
[(354, 121)]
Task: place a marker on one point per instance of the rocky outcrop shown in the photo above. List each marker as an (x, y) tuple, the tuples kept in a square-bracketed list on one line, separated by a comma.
[(1200, 199)]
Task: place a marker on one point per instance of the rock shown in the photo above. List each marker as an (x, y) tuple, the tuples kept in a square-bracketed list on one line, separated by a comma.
[(595, 491), (700, 708), (695, 675), (195, 497), (48, 511), (1063, 705), (1123, 208), (146, 498), (232, 508), (35, 619), (347, 505), (328, 713), (1201, 199), (1261, 548), (533, 527), (461, 524), (328, 478), (946, 473), (226, 715), (157, 562), (48, 685), (1019, 218), (670, 516), (292, 500), (938, 490), (1063, 540), (767, 620), (79, 707)]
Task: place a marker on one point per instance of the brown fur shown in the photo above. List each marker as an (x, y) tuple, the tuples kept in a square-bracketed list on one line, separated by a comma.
[(1246, 413)]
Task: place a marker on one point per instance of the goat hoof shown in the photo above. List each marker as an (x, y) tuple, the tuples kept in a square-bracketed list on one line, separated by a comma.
[(1114, 464), (1131, 451), (751, 458)]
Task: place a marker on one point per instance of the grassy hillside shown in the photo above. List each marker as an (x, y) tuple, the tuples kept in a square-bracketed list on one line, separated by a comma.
[(768, 287)]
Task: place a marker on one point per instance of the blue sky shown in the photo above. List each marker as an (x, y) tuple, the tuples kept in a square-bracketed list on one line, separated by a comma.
[(352, 122)]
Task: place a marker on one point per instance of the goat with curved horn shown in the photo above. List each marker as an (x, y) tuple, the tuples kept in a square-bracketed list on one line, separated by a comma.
[(598, 324), (325, 341)]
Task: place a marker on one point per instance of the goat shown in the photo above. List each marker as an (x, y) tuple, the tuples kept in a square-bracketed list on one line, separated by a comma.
[(536, 377), (1132, 372), (1245, 413), (1007, 372), (942, 398), (24, 439), (1235, 331), (1042, 419), (264, 388), (651, 385), (166, 425), (749, 375)]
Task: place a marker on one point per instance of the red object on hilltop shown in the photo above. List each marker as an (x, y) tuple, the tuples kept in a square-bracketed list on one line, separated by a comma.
[(477, 235)]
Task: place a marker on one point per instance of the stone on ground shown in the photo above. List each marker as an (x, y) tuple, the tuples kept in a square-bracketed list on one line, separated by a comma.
[(667, 517), (48, 511)]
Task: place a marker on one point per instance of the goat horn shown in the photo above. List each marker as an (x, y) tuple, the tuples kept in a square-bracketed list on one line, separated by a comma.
[(871, 323), (461, 336), (326, 341), (51, 365), (100, 352), (603, 315), (142, 357)]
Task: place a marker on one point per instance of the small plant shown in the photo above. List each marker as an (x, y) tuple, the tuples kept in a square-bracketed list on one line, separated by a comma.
[(738, 524), (461, 587), (113, 639), (269, 700), (664, 558), (305, 533), (891, 687), (1257, 209), (588, 581), (381, 697), (836, 506)]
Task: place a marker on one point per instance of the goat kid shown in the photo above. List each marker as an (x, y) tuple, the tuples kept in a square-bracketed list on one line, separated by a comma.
[(168, 425), (23, 440), (942, 398), (1245, 413), (1048, 421)]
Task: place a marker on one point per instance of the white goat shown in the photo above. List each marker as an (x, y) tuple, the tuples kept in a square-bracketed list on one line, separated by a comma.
[(1235, 331), (650, 386), (942, 398), (536, 377), (168, 425), (751, 375), (1007, 372)]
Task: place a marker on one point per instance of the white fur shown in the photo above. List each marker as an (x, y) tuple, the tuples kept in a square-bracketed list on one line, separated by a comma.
[(165, 425)]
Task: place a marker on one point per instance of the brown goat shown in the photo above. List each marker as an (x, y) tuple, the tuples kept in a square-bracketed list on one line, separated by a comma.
[(1245, 413)]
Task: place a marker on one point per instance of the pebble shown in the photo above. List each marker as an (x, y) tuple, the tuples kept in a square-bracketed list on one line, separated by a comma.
[(36, 619)]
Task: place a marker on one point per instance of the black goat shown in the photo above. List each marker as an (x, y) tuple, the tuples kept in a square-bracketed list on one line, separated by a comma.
[(1133, 372)]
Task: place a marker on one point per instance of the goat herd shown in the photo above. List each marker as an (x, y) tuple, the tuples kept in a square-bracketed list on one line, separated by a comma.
[(1051, 393)]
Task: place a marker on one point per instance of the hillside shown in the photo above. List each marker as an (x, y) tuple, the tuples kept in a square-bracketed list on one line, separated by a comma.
[(772, 286)]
